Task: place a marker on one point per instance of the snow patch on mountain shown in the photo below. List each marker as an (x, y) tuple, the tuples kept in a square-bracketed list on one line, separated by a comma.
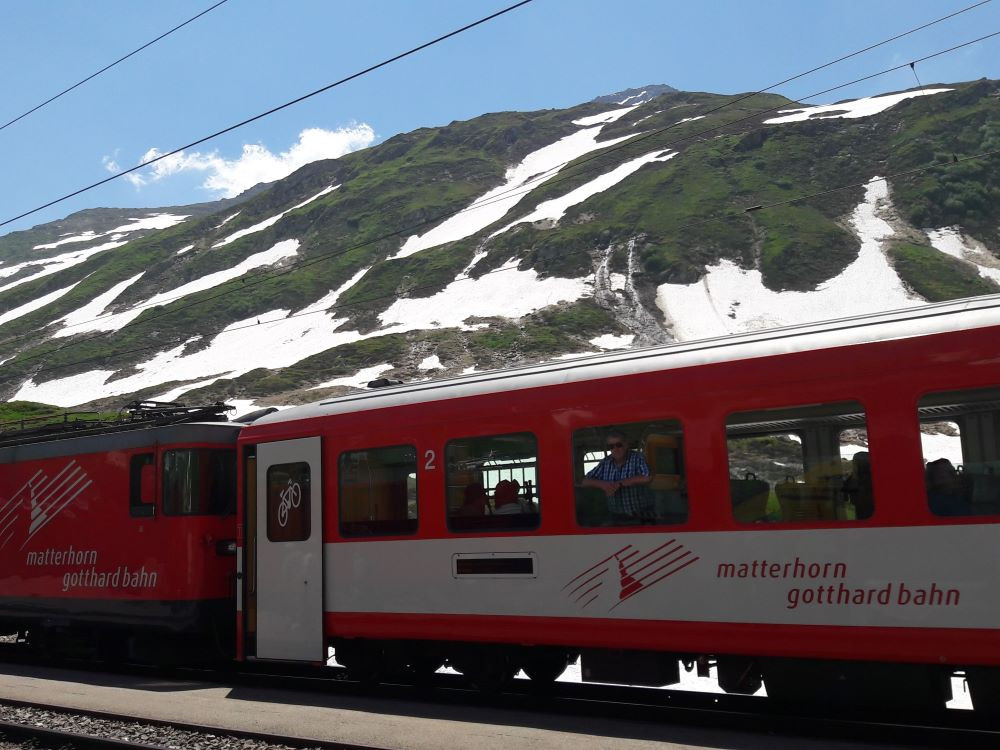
[(635, 98), (59, 263), (480, 254), (604, 118), (85, 237), (611, 341), (115, 321), (228, 219), (730, 299), (536, 168), (327, 301), (506, 292), (90, 313), (35, 304), (866, 107), (261, 226), (555, 209), (156, 221), (432, 362), (951, 241), (360, 379), (272, 339)]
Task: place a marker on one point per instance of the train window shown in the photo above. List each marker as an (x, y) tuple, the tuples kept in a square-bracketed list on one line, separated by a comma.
[(605, 456), (493, 482), (378, 491), (960, 437), (800, 464), (289, 498), (142, 488), (199, 482)]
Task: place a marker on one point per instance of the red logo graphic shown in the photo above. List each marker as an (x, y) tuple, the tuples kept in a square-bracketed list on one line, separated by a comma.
[(41, 498), (636, 572)]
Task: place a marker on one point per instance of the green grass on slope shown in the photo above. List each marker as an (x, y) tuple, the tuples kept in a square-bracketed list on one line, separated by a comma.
[(14, 411), (941, 130), (936, 276)]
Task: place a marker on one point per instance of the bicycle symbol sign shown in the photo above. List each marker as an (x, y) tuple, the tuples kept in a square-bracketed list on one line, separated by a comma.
[(291, 497)]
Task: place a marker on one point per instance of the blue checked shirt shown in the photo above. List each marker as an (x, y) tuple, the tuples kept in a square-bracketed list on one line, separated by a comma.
[(634, 500)]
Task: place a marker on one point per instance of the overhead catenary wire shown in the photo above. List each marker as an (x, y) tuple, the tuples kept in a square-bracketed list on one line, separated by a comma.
[(111, 65), (251, 280), (734, 214), (271, 111)]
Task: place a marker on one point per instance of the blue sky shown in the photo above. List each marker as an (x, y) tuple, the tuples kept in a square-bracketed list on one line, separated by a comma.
[(250, 55)]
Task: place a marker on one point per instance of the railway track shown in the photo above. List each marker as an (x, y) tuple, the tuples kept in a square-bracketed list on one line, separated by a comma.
[(99, 729), (648, 705)]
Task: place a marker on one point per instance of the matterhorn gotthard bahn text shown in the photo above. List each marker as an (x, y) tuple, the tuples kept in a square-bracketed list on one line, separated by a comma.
[(645, 217)]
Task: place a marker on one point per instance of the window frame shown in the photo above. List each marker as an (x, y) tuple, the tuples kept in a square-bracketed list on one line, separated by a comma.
[(355, 529), (305, 503), (199, 449), (763, 523), (137, 507), (968, 518), (486, 524), (623, 425)]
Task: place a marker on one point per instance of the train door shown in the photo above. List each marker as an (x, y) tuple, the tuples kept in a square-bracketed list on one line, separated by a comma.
[(289, 567)]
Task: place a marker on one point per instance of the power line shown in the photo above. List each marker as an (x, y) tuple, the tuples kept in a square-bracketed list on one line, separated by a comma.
[(271, 111), (270, 274), (376, 298), (109, 67)]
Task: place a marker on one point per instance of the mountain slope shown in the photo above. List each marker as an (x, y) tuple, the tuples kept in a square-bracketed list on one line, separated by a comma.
[(516, 237)]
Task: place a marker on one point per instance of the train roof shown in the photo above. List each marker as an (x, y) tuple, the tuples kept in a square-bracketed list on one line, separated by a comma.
[(139, 424), (925, 320)]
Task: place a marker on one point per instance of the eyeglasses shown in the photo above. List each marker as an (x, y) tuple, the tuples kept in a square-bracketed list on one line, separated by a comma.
[(616, 445)]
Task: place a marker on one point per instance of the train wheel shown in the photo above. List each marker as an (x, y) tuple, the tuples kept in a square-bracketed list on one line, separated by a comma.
[(424, 663), (906, 687), (984, 686), (362, 660), (489, 669), (739, 675), (544, 666)]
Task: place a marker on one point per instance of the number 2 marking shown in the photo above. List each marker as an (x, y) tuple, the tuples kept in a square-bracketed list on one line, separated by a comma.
[(429, 463)]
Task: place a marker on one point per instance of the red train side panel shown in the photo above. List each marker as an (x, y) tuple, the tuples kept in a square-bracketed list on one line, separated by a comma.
[(125, 530)]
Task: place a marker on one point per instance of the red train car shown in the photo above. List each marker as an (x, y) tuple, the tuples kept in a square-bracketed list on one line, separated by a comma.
[(819, 512), (120, 537)]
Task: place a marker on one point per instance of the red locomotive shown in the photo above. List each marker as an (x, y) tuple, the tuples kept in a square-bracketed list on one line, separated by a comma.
[(120, 534), (814, 508)]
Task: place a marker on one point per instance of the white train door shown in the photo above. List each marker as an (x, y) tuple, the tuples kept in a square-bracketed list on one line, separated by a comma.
[(290, 551)]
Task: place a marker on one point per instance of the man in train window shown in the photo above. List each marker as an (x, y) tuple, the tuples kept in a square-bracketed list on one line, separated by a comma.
[(622, 476)]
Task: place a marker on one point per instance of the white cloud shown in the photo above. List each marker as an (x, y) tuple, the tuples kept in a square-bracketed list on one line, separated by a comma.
[(230, 177), (110, 164)]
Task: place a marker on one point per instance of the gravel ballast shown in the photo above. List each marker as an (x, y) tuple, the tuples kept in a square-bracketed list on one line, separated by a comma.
[(130, 731)]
